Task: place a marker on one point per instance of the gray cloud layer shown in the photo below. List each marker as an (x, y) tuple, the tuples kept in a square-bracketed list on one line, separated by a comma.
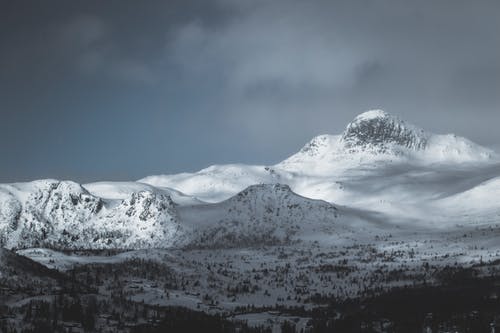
[(122, 89)]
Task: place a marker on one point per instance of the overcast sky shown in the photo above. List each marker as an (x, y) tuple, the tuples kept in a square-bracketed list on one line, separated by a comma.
[(95, 90)]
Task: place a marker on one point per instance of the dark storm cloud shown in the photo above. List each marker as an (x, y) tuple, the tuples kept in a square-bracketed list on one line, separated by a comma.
[(121, 89), (311, 66)]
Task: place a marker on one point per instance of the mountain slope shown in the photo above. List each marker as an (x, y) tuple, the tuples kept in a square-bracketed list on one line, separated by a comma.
[(260, 214), (18, 275), (215, 183), (123, 190)]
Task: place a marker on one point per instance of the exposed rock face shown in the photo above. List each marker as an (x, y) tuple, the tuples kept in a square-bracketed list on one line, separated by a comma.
[(380, 132)]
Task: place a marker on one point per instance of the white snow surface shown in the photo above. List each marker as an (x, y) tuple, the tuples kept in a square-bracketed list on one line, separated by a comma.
[(123, 190)]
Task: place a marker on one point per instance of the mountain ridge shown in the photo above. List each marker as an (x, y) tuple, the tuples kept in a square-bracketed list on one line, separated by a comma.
[(378, 163)]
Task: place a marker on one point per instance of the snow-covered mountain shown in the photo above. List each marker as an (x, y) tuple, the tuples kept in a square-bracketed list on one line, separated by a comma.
[(375, 139), (378, 164), (260, 214), (32, 212), (62, 214)]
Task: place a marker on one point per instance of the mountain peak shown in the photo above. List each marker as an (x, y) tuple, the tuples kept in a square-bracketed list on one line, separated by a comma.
[(373, 114), (382, 132)]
